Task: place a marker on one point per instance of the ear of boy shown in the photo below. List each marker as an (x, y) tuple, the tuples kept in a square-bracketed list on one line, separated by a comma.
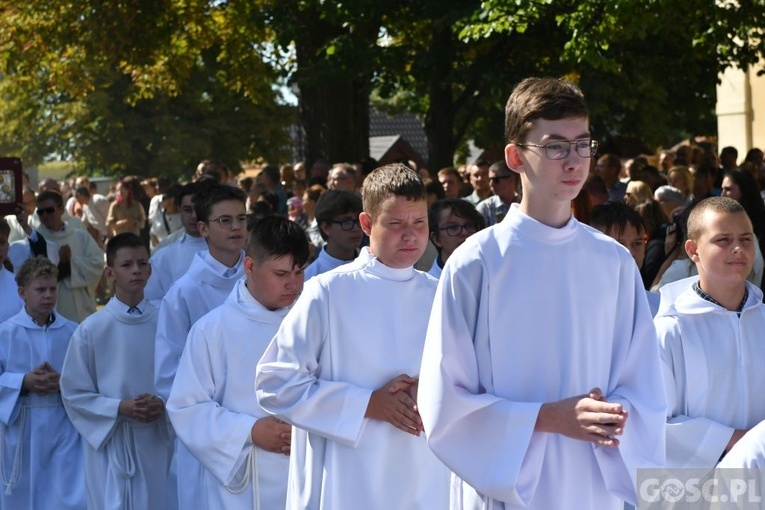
[(692, 250), (365, 220), (513, 158)]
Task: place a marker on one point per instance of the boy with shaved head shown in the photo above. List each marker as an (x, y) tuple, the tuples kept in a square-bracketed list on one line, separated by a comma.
[(711, 339)]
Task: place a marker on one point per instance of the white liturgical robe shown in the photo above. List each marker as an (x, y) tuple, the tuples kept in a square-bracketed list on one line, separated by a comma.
[(169, 264), (201, 289), (75, 292), (110, 359), (527, 314), (213, 407), (713, 367), (351, 331), (748, 452), (40, 450), (10, 302), (323, 263)]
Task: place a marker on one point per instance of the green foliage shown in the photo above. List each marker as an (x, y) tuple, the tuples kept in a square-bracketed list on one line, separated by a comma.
[(147, 86), (152, 86)]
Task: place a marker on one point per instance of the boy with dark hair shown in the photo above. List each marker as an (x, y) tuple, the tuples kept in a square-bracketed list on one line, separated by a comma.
[(451, 222), (713, 327), (222, 222), (333, 368), (621, 222), (107, 385), (244, 450), (171, 261), (337, 215), (556, 404), (41, 450)]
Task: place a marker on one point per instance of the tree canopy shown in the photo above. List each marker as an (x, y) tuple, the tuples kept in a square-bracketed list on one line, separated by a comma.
[(155, 86)]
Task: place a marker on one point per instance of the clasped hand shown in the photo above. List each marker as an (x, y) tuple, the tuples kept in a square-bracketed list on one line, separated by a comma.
[(144, 408), (396, 403), (585, 417), (272, 434), (43, 380)]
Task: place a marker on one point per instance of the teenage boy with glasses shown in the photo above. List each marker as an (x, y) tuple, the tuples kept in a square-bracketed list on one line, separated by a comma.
[(337, 215), (451, 222), (221, 220), (541, 384)]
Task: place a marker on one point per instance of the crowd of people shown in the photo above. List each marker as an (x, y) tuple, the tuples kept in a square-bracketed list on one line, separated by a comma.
[(474, 338)]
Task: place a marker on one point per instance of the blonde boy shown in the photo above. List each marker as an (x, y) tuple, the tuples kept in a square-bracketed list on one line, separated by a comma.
[(107, 384), (711, 339), (541, 381), (41, 450), (343, 367)]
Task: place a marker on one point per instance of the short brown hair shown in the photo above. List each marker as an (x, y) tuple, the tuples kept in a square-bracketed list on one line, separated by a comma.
[(35, 268), (396, 179), (721, 205), (541, 98), (450, 170)]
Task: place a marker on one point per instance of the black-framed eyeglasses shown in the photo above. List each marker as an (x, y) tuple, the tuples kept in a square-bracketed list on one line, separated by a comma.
[(227, 221), (45, 210), (457, 230), (560, 149), (497, 179), (346, 224)]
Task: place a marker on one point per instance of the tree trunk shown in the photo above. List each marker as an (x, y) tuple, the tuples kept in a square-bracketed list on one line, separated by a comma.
[(335, 117), (439, 119)]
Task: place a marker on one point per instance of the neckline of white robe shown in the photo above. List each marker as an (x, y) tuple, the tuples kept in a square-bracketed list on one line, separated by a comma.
[(24, 320), (118, 310), (537, 231), (200, 270), (689, 302), (377, 268), (242, 302)]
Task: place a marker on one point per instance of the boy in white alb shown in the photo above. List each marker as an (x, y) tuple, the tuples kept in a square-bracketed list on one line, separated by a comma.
[(40, 450), (711, 339), (222, 221), (541, 379), (171, 262), (343, 366), (107, 384), (245, 450)]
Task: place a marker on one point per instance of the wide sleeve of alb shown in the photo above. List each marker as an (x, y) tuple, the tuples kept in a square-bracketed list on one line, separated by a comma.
[(173, 326), (293, 377), (636, 382), (692, 442), (10, 381), (93, 414), (467, 426), (216, 436)]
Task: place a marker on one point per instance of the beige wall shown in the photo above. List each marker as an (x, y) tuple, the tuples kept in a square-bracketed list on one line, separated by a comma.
[(741, 110)]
